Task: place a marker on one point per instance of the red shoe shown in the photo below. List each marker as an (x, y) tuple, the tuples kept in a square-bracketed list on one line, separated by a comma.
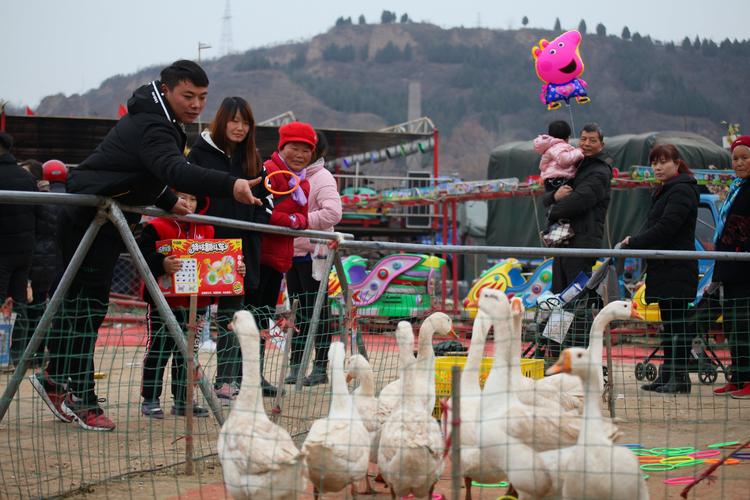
[(743, 393), (53, 395), (725, 390), (91, 418)]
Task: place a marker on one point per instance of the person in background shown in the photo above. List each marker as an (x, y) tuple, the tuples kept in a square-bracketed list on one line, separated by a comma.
[(324, 211), (228, 145), (160, 345), (134, 164), (733, 235), (18, 234), (45, 263), (584, 201), (670, 225), (297, 142), (559, 159)]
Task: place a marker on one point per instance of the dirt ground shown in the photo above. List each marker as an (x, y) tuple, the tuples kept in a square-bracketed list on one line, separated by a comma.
[(40, 457)]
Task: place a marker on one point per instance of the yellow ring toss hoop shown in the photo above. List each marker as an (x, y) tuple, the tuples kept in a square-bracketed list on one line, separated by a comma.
[(267, 182)]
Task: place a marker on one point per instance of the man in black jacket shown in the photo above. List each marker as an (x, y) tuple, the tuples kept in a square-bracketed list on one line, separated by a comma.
[(17, 233), (136, 163), (584, 202)]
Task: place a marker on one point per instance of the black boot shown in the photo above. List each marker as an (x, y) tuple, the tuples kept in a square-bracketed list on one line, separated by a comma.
[(291, 379), (661, 379), (678, 384), (269, 390), (318, 375)]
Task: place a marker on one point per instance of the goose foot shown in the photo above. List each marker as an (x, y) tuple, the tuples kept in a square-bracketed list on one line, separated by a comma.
[(467, 484), (369, 490), (511, 492)]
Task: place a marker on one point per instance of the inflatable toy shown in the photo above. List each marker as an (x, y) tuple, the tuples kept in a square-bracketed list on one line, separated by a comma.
[(506, 276), (559, 65), (398, 286)]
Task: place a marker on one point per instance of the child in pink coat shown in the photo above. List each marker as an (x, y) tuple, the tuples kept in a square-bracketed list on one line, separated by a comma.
[(559, 159)]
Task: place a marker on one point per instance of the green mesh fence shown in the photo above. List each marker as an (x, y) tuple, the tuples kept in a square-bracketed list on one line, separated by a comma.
[(42, 457)]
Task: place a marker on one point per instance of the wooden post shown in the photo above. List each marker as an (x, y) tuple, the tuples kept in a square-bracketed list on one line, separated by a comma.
[(191, 331)]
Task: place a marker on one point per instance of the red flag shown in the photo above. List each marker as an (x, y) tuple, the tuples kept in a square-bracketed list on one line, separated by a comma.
[(29, 111), (122, 110)]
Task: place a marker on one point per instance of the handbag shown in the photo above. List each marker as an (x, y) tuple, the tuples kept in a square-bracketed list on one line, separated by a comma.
[(558, 234)]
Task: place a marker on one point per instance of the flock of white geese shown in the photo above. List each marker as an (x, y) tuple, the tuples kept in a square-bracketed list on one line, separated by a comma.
[(547, 437)]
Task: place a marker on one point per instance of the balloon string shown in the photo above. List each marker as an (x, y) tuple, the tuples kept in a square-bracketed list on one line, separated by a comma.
[(572, 122)]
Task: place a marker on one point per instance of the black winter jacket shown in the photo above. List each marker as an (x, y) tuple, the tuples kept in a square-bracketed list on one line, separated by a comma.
[(586, 207), (670, 225), (205, 153), (735, 237), (47, 260), (17, 222), (142, 155)]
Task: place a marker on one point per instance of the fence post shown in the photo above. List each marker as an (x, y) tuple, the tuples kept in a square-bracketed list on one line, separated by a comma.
[(290, 332), (455, 432), (118, 219), (312, 329), (54, 304)]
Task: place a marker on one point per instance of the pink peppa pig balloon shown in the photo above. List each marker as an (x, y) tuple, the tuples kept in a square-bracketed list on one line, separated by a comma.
[(558, 63)]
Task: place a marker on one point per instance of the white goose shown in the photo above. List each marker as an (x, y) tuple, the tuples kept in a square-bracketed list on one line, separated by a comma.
[(390, 395), (337, 448), (258, 458), (410, 455), (530, 473), (596, 468), (437, 322), (366, 403)]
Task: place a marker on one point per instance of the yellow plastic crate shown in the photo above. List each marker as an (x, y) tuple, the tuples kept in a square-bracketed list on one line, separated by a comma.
[(532, 368)]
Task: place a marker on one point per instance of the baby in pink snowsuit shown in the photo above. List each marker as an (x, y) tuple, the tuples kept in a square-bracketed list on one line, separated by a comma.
[(559, 159)]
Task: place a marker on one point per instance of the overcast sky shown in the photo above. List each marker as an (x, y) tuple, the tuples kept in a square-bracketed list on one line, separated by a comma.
[(71, 46)]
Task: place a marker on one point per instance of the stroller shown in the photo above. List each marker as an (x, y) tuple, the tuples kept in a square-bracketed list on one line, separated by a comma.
[(707, 308), (564, 320)]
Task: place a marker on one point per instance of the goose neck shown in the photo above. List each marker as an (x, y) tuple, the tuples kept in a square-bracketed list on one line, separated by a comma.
[(249, 398)]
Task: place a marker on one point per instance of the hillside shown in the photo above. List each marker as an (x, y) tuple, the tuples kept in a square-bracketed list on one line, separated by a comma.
[(478, 85)]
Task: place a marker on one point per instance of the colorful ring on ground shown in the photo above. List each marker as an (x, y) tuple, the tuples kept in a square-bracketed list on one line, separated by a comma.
[(679, 480), (643, 452), (705, 454), (651, 460), (646, 476), (690, 464), (677, 459), (632, 446), (680, 451), (728, 461), (742, 455), (501, 484), (722, 445), (507, 497), (657, 467), (267, 182)]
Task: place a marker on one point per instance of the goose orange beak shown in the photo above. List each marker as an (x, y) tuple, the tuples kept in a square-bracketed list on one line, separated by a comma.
[(563, 364), (635, 314), (453, 333), (349, 377)]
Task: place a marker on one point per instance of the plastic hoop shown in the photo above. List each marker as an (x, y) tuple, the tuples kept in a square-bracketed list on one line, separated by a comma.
[(723, 445), (705, 454), (679, 480), (501, 484), (267, 182), (657, 467)]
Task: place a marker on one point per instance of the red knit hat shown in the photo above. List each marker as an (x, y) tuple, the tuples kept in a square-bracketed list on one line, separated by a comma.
[(743, 140), (54, 171), (297, 132)]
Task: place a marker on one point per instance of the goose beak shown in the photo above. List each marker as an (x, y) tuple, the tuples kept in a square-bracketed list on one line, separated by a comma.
[(635, 314), (453, 333), (516, 305), (563, 364), (230, 326), (349, 377)]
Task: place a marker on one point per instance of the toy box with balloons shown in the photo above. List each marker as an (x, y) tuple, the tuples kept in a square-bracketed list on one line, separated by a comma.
[(209, 267)]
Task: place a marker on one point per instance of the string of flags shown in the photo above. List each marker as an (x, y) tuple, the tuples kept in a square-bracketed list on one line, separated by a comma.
[(384, 154)]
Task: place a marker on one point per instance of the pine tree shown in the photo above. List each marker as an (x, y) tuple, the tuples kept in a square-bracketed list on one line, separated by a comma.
[(601, 30), (582, 27), (625, 33), (686, 44), (525, 21), (404, 18), (557, 27)]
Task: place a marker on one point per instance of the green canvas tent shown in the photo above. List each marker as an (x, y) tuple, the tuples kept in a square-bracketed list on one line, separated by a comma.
[(517, 221)]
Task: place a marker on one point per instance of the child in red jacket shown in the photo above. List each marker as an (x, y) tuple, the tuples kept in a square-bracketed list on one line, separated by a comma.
[(161, 346), (297, 142)]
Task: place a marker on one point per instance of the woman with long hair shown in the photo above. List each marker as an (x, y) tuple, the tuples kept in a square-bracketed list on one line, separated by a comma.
[(670, 225), (229, 145)]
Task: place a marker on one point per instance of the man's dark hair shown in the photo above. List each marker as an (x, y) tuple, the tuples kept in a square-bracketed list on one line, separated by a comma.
[(6, 142), (594, 127), (559, 129), (321, 149), (183, 70)]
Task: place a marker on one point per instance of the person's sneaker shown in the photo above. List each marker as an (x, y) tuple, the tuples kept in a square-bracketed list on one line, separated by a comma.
[(152, 409), (198, 411), (52, 394), (726, 390), (743, 393), (91, 418), (315, 378), (225, 394)]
